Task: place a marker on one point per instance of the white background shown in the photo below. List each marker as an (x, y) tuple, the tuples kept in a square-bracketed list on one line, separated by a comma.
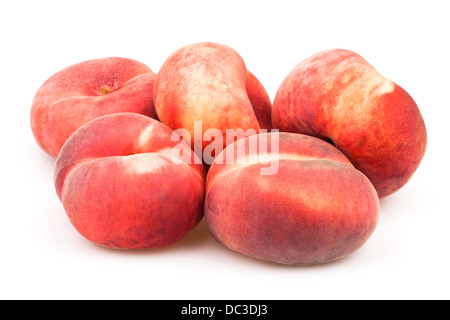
[(42, 255)]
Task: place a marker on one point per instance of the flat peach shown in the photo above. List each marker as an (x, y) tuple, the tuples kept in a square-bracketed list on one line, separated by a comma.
[(338, 96), (314, 208), (123, 187), (85, 91)]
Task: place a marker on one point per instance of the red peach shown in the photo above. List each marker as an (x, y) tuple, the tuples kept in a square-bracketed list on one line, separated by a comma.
[(338, 96), (123, 187), (85, 91), (209, 82), (316, 207)]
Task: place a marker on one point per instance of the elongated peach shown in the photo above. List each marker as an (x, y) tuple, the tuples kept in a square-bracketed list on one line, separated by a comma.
[(209, 83)]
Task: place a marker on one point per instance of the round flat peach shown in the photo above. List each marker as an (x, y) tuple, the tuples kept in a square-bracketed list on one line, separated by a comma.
[(338, 96), (314, 208), (123, 187), (85, 91)]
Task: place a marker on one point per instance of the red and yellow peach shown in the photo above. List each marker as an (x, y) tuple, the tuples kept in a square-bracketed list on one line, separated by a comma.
[(85, 91), (338, 96), (209, 83), (316, 207), (122, 186)]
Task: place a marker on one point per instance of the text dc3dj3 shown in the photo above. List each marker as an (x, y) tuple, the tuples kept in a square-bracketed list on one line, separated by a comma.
[(238, 309)]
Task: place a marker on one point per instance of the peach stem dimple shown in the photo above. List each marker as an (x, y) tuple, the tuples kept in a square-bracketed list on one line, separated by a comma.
[(105, 90)]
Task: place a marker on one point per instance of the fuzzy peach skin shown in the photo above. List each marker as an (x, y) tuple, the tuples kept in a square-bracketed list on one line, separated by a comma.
[(209, 82), (122, 187), (316, 208), (338, 96), (88, 90)]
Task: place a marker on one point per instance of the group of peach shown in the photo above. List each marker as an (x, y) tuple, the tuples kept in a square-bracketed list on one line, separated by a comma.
[(341, 135)]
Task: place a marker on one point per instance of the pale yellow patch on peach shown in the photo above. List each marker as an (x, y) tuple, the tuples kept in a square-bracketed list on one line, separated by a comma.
[(146, 134), (360, 94), (167, 151), (267, 158), (143, 163), (242, 161), (386, 86)]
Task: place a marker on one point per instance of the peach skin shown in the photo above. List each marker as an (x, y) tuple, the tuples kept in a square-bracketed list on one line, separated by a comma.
[(85, 91), (338, 96), (122, 186), (316, 207), (209, 82)]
